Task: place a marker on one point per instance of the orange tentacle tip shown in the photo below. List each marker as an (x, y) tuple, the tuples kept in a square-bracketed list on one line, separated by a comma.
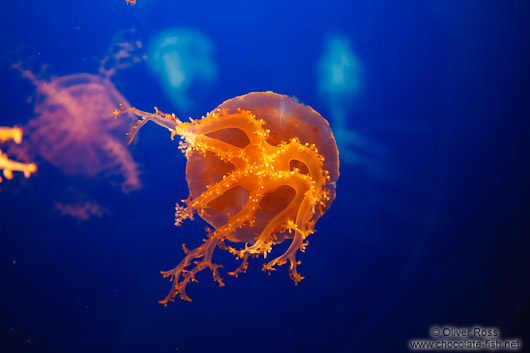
[(261, 169), (8, 166)]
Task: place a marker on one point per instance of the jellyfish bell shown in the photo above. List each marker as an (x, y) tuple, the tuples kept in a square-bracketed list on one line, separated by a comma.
[(286, 119), (183, 60)]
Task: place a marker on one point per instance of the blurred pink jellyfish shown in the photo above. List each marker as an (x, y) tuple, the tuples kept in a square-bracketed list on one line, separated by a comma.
[(74, 129)]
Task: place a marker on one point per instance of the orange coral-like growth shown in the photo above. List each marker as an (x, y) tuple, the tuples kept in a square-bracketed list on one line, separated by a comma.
[(9, 166), (251, 180)]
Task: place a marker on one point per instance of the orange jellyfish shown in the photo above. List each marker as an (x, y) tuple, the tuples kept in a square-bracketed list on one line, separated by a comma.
[(261, 169), (7, 165)]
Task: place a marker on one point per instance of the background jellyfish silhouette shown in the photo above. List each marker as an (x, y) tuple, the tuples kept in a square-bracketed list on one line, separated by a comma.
[(183, 60), (340, 81)]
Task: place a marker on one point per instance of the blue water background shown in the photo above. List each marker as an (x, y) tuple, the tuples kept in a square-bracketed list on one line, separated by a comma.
[(438, 238)]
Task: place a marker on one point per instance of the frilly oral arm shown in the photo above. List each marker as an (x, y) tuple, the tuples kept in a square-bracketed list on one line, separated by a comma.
[(181, 277), (11, 133), (10, 166), (168, 121)]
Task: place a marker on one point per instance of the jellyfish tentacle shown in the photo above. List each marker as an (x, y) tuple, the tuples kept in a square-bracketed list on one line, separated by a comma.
[(242, 268), (303, 229), (11, 133), (169, 121), (200, 202), (241, 217), (7, 165), (195, 133), (179, 285), (308, 154), (204, 143), (122, 162), (205, 251), (263, 243), (220, 119)]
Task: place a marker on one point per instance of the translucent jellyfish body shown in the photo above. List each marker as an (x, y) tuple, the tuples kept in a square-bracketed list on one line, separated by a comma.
[(261, 169), (340, 81), (74, 130), (183, 60)]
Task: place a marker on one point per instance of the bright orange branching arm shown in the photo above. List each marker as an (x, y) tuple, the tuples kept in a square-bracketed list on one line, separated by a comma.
[(10, 133), (169, 121), (9, 166)]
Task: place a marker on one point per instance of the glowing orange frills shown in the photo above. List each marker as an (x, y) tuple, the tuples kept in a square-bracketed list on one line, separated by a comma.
[(261, 169), (9, 166)]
